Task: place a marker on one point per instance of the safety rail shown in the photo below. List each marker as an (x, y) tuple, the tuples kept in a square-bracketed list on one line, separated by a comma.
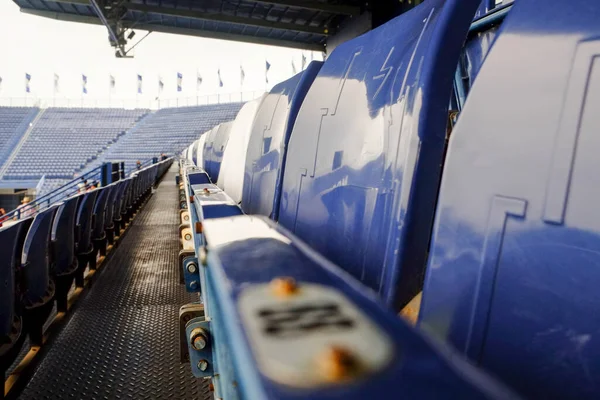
[(142, 165), (68, 189)]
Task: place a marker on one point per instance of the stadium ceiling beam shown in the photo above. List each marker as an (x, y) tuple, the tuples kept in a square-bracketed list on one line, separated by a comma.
[(179, 31), (259, 23), (315, 6)]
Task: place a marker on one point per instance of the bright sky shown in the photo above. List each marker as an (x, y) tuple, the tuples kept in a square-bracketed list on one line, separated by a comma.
[(43, 47)]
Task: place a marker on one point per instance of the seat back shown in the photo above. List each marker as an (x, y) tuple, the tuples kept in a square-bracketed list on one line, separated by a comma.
[(200, 150), (231, 175), (363, 166), (266, 154), (123, 200), (9, 237), (221, 137), (208, 148), (85, 222), (195, 152), (100, 212), (35, 257), (63, 235), (110, 204), (513, 280)]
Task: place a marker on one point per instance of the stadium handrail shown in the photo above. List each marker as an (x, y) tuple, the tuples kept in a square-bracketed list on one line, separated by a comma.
[(58, 194)]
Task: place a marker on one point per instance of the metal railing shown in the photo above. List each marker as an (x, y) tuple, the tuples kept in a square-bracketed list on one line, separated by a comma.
[(133, 103), (68, 189)]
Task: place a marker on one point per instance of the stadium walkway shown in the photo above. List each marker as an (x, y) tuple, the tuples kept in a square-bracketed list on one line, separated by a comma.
[(122, 339)]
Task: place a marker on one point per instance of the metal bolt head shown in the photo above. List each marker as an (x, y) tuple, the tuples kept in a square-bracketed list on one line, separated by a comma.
[(203, 365), (198, 339), (188, 236), (284, 286), (192, 268), (194, 285)]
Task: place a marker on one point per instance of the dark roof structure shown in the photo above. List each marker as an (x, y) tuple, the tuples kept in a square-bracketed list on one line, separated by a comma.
[(303, 24)]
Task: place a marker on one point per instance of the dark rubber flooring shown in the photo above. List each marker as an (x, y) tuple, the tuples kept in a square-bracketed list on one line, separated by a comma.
[(122, 340)]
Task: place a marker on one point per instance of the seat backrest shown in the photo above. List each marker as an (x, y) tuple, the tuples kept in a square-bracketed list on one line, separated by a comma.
[(63, 235), (364, 159), (265, 158), (35, 257), (110, 204), (512, 280), (85, 221), (200, 150), (118, 199), (195, 152), (100, 211), (208, 146), (231, 175), (8, 252), (123, 201), (219, 144)]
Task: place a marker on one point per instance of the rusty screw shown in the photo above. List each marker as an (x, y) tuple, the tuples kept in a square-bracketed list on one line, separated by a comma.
[(284, 286), (337, 363), (198, 338)]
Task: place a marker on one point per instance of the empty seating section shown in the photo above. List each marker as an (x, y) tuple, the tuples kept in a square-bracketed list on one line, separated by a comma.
[(41, 256), (169, 130), (63, 141), (14, 121)]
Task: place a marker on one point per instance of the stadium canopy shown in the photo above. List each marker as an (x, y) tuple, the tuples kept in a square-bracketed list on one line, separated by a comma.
[(303, 24)]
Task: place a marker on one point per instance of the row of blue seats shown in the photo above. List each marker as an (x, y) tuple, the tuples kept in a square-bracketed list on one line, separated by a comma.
[(492, 220), (41, 255)]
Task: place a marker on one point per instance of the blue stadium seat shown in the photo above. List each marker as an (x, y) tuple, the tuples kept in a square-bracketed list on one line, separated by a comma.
[(12, 333), (364, 160), (100, 221), (266, 155), (109, 227), (85, 247), (64, 261), (118, 206), (219, 142), (39, 289), (207, 149), (512, 281), (231, 172)]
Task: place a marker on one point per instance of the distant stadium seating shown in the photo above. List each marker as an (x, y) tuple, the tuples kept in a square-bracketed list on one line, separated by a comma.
[(13, 124), (65, 140), (168, 131)]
